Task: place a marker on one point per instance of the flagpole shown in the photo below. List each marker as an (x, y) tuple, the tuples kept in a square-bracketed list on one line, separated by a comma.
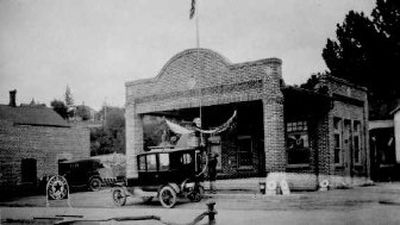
[(197, 25), (198, 55), (195, 12)]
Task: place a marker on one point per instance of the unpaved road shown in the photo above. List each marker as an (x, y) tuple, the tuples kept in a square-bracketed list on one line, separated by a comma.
[(379, 204)]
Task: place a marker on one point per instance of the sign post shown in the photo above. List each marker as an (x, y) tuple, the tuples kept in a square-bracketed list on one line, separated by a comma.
[(57, 189)]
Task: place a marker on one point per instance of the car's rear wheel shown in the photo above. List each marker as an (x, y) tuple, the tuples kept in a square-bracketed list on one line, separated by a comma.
[(167, 196), (95, 184), (119, 196)]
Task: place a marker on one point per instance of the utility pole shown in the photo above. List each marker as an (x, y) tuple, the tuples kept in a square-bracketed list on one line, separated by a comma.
[(105, 112)]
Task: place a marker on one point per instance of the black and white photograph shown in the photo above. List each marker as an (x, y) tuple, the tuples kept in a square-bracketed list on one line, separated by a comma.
[(186, 112)]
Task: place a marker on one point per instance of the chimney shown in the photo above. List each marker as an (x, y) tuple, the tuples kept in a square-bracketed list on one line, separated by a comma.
[(13, 94)]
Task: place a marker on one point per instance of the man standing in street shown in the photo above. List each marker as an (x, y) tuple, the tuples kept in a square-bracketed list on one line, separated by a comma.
[(212, 170), (211, 155)]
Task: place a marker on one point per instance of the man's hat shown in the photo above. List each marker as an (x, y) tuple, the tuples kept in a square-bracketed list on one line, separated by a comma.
[(197, 120)]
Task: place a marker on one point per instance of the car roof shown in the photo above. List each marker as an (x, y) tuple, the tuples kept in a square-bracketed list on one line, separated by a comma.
[(168, 150)]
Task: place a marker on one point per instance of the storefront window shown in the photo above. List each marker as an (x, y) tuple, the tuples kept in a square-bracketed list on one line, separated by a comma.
[(298, 145), (245, 155)]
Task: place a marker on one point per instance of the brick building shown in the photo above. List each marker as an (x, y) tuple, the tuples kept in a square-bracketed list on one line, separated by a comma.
[(279, 128), (385, 147), (32, 141)]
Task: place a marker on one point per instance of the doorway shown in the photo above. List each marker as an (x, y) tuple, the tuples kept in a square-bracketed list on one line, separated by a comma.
[(348, 148)]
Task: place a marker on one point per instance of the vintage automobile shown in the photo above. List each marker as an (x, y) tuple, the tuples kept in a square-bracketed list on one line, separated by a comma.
[(166, 174), (83, 172)]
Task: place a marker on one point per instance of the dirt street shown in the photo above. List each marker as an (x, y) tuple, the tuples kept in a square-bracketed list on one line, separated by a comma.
[(377, 204)]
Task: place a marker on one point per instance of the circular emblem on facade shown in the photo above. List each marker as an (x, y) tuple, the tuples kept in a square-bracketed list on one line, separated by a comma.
[(191, 83), (57, 188)]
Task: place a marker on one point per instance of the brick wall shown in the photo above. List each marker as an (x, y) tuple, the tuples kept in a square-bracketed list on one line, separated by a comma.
[(274, 137), (45, 144), (197, 77), (206, 67), (134, 139), (202, 76), (350, 102)]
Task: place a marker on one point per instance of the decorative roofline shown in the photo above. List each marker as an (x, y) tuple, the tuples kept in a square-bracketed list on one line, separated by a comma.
[(344, 81), (226, 61)]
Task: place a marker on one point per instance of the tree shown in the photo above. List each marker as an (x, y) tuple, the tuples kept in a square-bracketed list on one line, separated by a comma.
[(153, 129), (312, 81), (111, 136), (83, 112), (367, 51), (69, 101), (60, 108)]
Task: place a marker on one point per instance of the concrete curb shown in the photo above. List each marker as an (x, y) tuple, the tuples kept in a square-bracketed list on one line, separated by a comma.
[(253, 196)]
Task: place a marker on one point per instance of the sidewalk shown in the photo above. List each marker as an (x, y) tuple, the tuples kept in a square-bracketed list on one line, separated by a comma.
[(248, 185), (252, 185)]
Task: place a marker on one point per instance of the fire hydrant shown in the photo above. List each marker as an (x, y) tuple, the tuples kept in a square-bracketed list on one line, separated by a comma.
[(211, 212)]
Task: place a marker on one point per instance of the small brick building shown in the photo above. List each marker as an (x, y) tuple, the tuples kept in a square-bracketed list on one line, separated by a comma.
[(278, 129), (32, 141)]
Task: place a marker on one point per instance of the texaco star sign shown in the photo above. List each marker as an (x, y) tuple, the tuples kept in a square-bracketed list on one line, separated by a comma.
[(57, 188)]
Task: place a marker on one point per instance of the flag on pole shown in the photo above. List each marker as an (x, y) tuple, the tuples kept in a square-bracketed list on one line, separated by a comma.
[(192, 9)]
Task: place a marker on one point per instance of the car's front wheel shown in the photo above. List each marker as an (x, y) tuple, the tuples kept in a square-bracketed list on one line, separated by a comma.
[(167, 196), (119, 196)]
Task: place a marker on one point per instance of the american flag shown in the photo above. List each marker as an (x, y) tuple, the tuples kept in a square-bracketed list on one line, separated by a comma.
[(192, 9)]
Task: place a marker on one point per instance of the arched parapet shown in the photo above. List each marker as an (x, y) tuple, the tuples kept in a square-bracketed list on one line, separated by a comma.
[(194, 69)]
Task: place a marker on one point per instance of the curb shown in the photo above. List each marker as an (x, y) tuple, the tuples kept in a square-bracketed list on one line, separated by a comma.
[(253, 196)]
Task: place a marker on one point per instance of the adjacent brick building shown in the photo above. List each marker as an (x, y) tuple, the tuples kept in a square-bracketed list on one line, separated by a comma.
[(32, 141), (278, 128)]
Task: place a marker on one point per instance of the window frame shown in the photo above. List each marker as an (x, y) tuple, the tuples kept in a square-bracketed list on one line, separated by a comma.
[(357, 134), (140, 159), (160, 168), (338, 131), (298, 127), (186, 159), (147, 163)]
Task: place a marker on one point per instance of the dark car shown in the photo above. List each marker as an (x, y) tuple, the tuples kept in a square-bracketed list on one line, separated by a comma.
[(83, 172), (166, 174)]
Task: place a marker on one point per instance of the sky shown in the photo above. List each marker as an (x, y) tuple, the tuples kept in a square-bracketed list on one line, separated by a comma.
[(95, 46)]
